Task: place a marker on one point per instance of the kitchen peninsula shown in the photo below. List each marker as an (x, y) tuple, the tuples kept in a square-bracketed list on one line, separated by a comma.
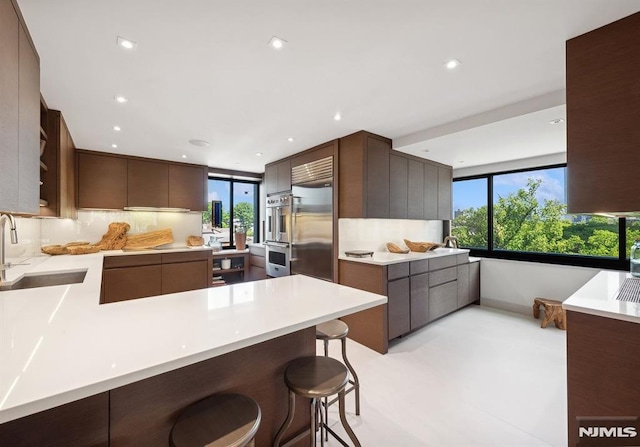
[(117, 374)]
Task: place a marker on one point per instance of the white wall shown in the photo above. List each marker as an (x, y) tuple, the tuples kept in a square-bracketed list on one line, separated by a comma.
[(512, 285), (373, 234)]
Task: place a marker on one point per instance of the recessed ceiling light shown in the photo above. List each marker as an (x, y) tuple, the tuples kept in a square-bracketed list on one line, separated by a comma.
[(121, 99), (452, 63), (425, 150), (126, 43), (557, 121), (199, 143), (117, 128), (115, 146), (460, 161), (259, 154), (290, 139), (337, 116), (276, 42), (184, 156)]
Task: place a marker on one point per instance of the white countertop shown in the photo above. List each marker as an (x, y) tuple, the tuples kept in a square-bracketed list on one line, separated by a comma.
[(57, 344), (386, 258), (597, 297)]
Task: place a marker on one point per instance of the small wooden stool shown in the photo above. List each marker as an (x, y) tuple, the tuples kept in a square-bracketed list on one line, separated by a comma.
[(553, 311), (221, 420)]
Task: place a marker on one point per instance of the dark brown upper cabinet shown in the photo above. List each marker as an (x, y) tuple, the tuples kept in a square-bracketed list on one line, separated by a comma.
[(148, 184), (445, 197), (102, 181), (110, 181), (58, 181), (363, 174), (187, 187), (19, 114), (603, 118), (277, 177)]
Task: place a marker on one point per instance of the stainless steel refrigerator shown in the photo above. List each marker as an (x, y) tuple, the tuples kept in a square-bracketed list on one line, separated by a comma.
[(312, 210)]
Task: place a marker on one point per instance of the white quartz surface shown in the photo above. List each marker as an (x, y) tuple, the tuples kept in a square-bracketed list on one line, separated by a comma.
[(57, 344), (597, 297), (386, 258)]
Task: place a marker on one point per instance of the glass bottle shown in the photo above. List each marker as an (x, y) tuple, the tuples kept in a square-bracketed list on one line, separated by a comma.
[(635, 258)]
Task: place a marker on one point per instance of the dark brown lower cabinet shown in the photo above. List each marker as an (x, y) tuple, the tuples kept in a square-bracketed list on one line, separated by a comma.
[(443, 299), (399, 307), (183, 276), (128, 283), (419, 300), (139, 276), (84, 422), (257, 268), (463, 285)]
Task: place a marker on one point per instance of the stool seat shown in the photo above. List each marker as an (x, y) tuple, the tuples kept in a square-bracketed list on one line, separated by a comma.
[(221, 420), (316, 376), (331, 330)]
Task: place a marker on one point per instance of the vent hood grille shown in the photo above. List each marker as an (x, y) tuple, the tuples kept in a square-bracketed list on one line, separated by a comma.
[(315, 170)]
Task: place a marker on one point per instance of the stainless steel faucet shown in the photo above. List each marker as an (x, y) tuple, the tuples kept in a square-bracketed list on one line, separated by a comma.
[(14, 240), (451, 242)]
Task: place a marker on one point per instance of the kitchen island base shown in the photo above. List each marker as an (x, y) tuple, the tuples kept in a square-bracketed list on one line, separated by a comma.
[(142, 413)]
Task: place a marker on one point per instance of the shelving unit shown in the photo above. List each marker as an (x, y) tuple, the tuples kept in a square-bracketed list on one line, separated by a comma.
[(236, 273)]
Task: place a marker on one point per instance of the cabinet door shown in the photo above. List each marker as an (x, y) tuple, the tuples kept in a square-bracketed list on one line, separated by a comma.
[(398, 193), (377, 192), (444, 194), (270, 179), (399, 307), (127, 283), (419, 300), (430, 191), (283, 182), (443, 299), (102, 181), (29, 128), (148, 183), (9, 100), (187, 186), (67, 173), (463, 285), (415, 199), (257, 268), (474, 282), (183, 276)]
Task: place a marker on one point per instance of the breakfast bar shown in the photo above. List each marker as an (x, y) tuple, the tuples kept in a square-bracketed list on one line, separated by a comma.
[(122, 371)]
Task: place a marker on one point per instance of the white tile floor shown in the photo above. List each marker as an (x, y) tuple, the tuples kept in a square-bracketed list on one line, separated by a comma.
[(478, 377)]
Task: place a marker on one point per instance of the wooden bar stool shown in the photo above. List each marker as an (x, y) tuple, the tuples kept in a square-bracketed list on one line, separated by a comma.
[(338, 330), (316, 378), (221, 420)]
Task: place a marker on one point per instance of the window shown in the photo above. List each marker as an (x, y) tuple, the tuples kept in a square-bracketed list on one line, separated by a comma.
[(524, 216), (470, 223), (233, 207), (632, 233)]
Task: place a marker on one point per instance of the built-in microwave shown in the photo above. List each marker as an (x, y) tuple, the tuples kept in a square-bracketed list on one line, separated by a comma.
[(278, 221)]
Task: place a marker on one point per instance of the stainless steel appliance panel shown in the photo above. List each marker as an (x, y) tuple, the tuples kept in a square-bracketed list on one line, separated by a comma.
[(277, 259), (278, 221), (312, 237)]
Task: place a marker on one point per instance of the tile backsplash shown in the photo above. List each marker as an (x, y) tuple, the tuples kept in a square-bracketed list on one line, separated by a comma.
[(373, 234), (91, 225)]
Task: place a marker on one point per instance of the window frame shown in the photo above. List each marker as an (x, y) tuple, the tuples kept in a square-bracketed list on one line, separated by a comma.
[(256, 207), (620, 263)]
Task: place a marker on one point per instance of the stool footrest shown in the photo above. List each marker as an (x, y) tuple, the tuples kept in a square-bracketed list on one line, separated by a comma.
[(334, 434)]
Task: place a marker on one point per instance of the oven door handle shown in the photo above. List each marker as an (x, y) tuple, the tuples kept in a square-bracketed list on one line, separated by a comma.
[(276, 244)]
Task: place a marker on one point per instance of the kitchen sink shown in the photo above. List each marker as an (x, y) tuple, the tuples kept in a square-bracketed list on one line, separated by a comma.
[(46, 280)]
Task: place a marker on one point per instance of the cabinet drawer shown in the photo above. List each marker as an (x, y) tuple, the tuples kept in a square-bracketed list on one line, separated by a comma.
[(462, 258), (185, 256), (419, 300), (183, 276), (442, 262), (395, 271), (443, 299), (131, 260), (443, 276), (417, 267)]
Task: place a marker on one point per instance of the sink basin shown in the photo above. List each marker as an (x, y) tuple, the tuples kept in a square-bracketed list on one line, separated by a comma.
[(46, 280)]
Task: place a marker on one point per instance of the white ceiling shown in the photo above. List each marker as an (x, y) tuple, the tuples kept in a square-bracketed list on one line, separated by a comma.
[(203, 70)]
